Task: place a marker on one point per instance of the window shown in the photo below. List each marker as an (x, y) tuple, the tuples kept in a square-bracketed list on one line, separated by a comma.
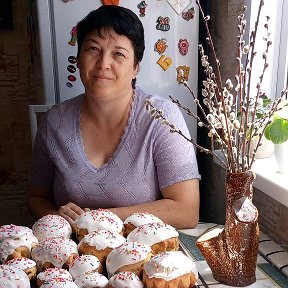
[(282, 75)]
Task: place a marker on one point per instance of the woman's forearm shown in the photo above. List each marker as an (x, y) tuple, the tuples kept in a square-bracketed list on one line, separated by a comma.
[(178, 208), (39, 206)]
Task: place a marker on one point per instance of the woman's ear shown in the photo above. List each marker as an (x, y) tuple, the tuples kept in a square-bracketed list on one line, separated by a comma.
[(136, 69)]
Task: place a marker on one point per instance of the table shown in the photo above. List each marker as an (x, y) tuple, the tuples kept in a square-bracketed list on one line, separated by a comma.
[(267, 274)]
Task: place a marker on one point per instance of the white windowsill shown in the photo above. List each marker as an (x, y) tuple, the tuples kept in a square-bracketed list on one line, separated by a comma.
[(268, 180)]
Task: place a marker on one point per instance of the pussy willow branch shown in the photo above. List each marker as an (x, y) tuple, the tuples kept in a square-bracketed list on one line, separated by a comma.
[(239, 95), (219, 84), (261, 77), (158, 114), (248, 71)]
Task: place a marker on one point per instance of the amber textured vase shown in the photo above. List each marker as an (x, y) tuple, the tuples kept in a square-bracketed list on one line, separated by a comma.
[(231, 253)]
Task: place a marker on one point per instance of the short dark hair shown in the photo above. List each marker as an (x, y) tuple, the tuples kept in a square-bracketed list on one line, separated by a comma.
[(122, 20)]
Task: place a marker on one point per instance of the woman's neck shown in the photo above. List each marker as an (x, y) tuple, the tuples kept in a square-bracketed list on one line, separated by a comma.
[(108, 114)]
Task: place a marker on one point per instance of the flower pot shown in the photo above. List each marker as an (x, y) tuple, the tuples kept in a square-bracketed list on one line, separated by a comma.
[(281, 156), (231, 253), (264, 151)]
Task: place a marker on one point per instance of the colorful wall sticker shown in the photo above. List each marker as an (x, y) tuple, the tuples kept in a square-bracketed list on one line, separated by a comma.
[(188, 15), (183, 46), (182, 73), (179, 5), (160, 46), (163, 23), (110, 2), (72, 59), (73, 39), (164, 62), (142, 8)]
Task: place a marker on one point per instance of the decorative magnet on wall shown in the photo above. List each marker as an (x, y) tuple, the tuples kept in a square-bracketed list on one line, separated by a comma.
[(160, 46), (183, 46), (71, 68), (72, 59), (142, 8), (72, 78), (164, 62), (73, 39), (110, 2), (188, 15), (179, 5), (163, 23), (182, 73)]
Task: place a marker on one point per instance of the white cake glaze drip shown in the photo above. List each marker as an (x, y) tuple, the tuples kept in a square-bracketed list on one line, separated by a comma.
[(127, 253), (59, 283), (99, 219), (52, 273), (83, 264), (125, 279), (11, 277), (152, 233), (169, 265), (138, 219), (101, 239), (22, 263), (51, 226), (12, 237), (54, 250), (91, 280)]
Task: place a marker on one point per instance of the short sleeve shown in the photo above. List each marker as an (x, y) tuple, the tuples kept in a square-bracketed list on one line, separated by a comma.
[(174, 156), (42, 170)]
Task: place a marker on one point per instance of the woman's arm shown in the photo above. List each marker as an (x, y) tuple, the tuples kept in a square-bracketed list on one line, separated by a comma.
[(40, 202), (178, 208)]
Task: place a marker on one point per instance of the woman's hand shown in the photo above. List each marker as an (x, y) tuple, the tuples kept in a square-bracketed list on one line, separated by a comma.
[(71, 212)]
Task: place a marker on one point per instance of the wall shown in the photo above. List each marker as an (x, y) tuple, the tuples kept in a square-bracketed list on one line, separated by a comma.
[(20, 84)]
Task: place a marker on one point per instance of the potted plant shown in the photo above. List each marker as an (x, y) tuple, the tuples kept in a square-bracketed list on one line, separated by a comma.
[(277, 132)]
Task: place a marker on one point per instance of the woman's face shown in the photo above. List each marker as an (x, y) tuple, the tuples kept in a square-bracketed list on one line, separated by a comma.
[(106, 64)]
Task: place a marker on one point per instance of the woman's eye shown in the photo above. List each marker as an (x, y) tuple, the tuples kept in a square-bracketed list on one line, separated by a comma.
[(93, 48), (119, 54)]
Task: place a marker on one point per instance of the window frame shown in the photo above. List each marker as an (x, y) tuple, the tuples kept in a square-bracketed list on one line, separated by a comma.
[(282, 73)]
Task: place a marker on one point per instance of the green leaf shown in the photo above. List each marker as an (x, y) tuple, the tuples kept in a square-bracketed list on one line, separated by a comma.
[(277, 131)]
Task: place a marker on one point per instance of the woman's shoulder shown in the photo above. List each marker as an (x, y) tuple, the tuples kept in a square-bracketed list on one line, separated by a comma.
[(157, 101), (65, 108)]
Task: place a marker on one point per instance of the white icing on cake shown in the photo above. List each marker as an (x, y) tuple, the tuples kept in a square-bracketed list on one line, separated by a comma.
[(99, 219), (125, 279), (54, 250), (83, 264), (12, 237), (101, 239), (91, 280), (152, 233), (138, 219), (169, 265), (59, 283), (53, 273), (11, 277), (51, 226), (21, 263), (127, 253)]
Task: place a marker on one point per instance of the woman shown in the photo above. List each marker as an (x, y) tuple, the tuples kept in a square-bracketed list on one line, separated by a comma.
[(102, 149)]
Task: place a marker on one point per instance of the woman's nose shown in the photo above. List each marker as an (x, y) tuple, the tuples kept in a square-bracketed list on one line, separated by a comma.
[(103, 61)]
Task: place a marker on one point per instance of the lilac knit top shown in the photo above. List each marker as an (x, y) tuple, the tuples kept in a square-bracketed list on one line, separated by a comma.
[(148, 158)]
